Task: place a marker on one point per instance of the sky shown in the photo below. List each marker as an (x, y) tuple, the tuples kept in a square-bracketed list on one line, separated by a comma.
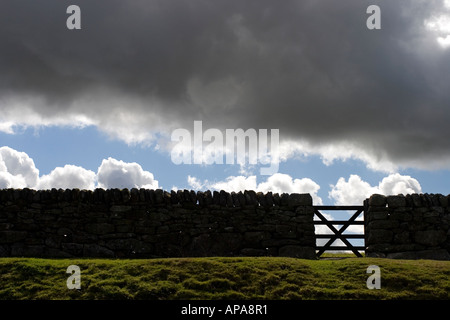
[(358, 111)]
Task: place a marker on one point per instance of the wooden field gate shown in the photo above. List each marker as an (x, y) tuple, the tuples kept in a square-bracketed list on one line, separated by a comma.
[(338, 234)]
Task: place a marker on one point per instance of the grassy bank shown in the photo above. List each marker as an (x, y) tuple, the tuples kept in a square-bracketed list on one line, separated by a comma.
[(224, 278)]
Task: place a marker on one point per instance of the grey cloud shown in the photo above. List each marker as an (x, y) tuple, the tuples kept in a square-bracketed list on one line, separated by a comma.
[(310, 68)]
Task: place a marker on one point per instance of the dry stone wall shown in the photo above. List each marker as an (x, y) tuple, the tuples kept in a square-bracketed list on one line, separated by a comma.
[(141, 223), (415, 226)]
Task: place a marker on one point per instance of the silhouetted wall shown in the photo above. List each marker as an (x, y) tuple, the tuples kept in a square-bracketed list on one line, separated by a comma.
[(140, 223), (415, 226)]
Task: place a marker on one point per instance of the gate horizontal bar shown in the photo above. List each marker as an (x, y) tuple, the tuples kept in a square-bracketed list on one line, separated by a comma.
[(359, 222), (348, 236), (343, 248), (339, 207)]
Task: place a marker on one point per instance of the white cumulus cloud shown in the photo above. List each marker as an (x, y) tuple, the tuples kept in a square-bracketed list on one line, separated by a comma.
[(17, 169), (277, 183), (194, 183), (8, 180), (68, 177), (355, 190), (235, 183), (114, 173), (397, 184)]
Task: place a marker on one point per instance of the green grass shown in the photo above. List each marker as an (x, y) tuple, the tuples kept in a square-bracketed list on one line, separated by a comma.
[(224, 278)]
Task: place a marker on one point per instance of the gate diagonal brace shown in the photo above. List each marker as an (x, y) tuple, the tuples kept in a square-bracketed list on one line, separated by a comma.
[(338, 233)]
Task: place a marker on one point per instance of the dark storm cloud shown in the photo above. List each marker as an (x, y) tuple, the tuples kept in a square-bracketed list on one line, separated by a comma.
[(310, 68)]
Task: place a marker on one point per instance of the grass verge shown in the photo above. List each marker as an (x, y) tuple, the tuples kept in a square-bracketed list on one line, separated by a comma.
[(223, 278)]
